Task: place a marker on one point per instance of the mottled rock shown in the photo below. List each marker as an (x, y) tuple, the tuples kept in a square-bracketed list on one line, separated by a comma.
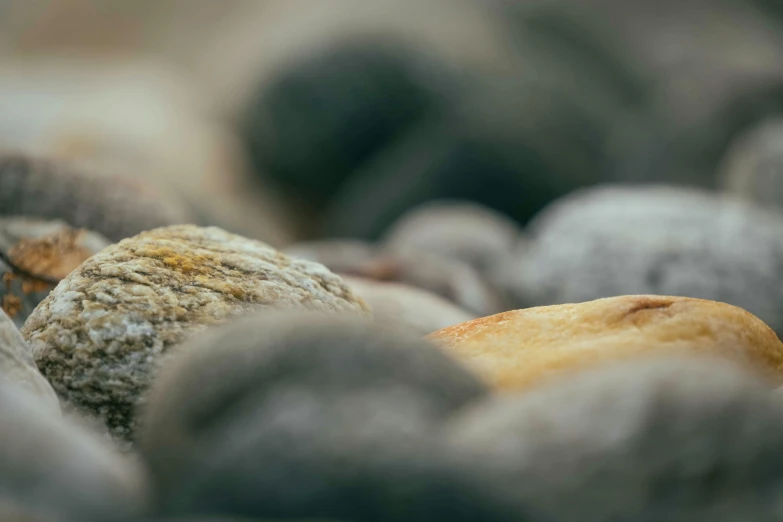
[(54, 471), (467, 232), (448, 278), (17, 366), (115, 206), (34, 256), (98, 336), (753, 166), (654, 240), (330, 417), (675, 439), (407, 307), (519, 349)]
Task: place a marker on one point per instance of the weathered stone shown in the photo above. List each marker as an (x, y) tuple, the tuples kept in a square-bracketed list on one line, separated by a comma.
[(114, 206), (448, 278), (330, 417), (521, 348), (408, 307), (34, 256), (52, 470), (678, 439), (613, 241), (98, 336)]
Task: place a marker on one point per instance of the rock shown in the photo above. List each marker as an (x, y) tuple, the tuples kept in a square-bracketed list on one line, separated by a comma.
[(753, 166), (330, 417), (17, 365), (467, 232), (34, 256), (51, 470), (447, 278), (325, 114), (98, 336), (406, 306), (676, 439), (655, 240), (519, 349), (116, 207)]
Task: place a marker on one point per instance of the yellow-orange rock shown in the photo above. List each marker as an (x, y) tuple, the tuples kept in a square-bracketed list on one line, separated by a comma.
[(518, 349)]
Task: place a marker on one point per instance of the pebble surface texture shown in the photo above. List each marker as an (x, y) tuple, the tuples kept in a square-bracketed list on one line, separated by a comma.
[(115, 206), (34, 256), (678, 439), (17, 366), (52, 470), (520, 349), (97, 337), (613, 241), (329, 416)]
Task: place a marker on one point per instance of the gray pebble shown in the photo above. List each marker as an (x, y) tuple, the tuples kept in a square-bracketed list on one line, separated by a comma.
[(54, 471), (612, 241), (681, 440), (329, 418)]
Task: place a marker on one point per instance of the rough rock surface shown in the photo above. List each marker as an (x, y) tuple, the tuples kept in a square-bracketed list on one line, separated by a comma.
[(53, 470), (613, 241), (521, 348), (98, 335), (34, 256), (17, 366), (675, 439), (330, 417), (408, 307), (115, 206)]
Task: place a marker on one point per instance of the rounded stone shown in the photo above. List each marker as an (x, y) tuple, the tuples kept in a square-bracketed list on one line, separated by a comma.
[(115, 206), (17, 365), (613, 241), (689, 439), (752, 166), (519, 349), (471, 233), (98, 336), (51, 469), (329, 416), (448, 278), (408, 307), (35, 255)]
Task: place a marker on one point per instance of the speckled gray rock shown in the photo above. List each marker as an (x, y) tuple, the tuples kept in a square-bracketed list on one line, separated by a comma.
[(34, 256), (54, 471), (656, 240), (448, 278), (98, 335), (17, 366), (330, 417), (114, 206), (408, 307), (753, 166), (675, 439), (468, 232)]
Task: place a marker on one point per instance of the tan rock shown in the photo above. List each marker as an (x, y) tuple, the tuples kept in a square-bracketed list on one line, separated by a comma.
[(518, 349), (98, 336), (408, 307)]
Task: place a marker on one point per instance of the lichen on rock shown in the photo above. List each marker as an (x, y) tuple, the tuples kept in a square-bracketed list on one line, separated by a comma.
[(99, 335)]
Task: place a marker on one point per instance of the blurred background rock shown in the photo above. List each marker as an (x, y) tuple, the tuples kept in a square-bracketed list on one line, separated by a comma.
[(301, 120)]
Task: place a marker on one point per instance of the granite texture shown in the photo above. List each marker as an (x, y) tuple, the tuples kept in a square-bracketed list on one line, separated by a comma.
[(98, 336)]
